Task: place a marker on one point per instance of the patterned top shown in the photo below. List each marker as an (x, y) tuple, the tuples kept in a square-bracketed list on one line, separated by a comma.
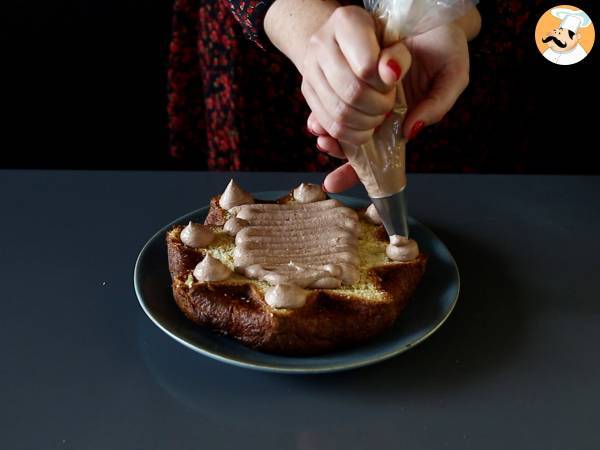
[(235, 102)]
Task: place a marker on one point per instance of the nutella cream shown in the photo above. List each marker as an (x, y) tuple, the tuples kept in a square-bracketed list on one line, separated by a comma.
[(285, 296), (309, 193), (234, 225), (196, 235), (275, 207), (380, 165), (233, 195), (211, 269), (401, 248), (310, 245), (372, 215), (307, 276)]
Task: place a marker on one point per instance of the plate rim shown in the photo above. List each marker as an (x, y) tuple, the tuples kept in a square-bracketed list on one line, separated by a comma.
[(267, 367)]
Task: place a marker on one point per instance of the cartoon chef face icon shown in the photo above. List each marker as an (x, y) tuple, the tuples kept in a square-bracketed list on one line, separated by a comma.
[(563, 41)]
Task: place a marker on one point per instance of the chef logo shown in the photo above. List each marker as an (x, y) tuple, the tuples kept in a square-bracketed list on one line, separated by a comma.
[(564, 35)]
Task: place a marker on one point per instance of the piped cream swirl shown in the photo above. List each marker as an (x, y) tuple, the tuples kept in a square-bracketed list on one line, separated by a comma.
[(211, 269), (309, 193), (372, 215), (285, 296), (234, 225), (234, 195), (196, 235), (401, 248)]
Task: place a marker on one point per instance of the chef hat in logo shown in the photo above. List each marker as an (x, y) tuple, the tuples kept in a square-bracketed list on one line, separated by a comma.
[(571, 19)]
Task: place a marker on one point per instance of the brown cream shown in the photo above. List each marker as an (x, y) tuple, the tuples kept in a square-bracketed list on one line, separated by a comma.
[(233, 195), (328, 276), (287, 296), (379, 165), (402, 248), (313, 245), (211, 269), (309, 193), (196, 235), (234, 225), (274, 207), (372, 215)]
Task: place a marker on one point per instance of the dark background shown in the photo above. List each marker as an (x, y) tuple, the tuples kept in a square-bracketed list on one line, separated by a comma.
[(85, 88)]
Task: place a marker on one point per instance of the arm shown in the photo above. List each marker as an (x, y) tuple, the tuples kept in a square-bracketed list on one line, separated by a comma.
[(289, 24)]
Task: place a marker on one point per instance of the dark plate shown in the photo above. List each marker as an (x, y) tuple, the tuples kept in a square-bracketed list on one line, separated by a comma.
[(430, 306)]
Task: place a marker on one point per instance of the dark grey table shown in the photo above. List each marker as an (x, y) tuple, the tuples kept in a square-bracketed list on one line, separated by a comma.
[(516, 366)]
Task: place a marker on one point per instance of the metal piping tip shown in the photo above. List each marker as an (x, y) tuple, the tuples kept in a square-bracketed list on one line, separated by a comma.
[(393, 213)]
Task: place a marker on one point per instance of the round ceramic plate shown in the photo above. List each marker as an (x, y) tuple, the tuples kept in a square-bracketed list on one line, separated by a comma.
[(430, 306)]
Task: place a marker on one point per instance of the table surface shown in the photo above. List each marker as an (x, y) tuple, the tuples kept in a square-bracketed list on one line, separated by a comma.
[(515, 367)]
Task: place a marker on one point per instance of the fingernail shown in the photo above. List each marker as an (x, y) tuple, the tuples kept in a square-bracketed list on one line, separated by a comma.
[(319, 147), (323, 187), (395, 68), (416, 129), (310, 130)]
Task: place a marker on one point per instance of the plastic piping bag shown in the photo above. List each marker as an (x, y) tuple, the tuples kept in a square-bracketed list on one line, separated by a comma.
[(380, 162)]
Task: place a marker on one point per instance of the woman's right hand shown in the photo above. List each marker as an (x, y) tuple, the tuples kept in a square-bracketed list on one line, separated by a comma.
[(348, 81)]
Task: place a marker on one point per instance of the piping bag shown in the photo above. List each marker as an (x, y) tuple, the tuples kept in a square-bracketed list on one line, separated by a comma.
[(380, 162)]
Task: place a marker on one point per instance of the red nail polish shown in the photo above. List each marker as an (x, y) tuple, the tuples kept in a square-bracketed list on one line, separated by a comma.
[(416, 129), (395, 68)]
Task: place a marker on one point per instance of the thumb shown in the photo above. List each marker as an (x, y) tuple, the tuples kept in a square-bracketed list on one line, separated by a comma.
[(444, 92), (341, 179), (394, 62)]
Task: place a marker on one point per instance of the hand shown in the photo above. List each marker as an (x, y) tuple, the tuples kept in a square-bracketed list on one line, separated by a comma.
[(348, 81), (439, 74)]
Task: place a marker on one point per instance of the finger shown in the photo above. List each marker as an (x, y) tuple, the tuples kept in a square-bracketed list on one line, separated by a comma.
[(341, 179), (333, 128), (348, 86), (326, 143), (338, 109), (314, 126), (355, 35), (394, 62), (329, 145), (438, 101)]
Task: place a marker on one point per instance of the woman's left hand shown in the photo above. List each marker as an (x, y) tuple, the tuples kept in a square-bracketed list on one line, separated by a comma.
[(438, 75)]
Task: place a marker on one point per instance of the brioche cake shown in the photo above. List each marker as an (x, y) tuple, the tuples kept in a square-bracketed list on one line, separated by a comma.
[(301, 275)]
